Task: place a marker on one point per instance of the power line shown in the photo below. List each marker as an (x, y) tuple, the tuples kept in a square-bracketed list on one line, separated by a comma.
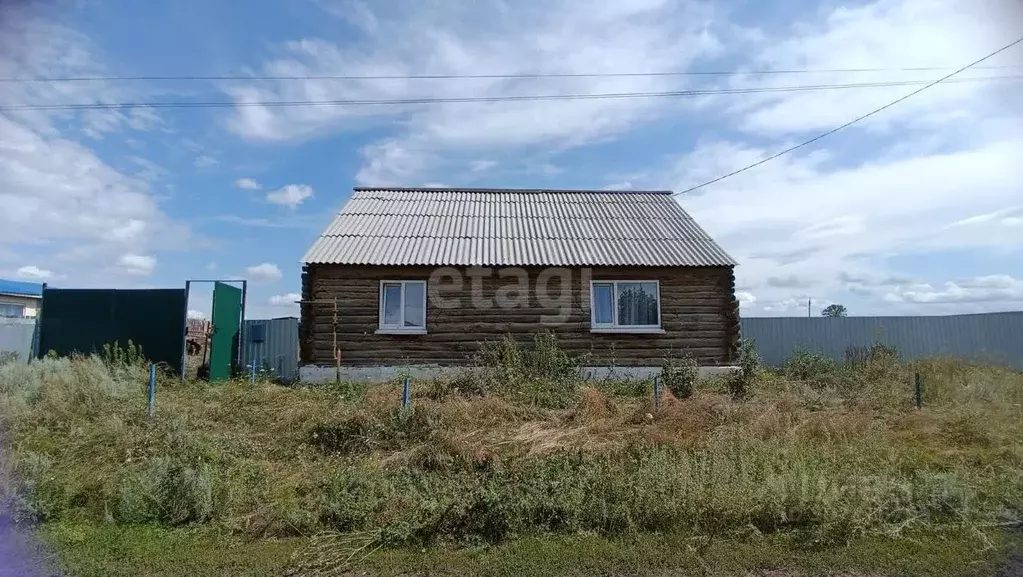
[(851, 122), (228, 77), (479, 99)]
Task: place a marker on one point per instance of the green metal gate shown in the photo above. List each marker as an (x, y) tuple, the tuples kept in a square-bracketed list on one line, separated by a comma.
[(227, 311)]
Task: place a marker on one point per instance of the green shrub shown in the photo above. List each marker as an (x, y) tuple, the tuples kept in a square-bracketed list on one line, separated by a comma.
[(466, 383), (624, 387), (363, 431), (680, 375), (810, 366), (542, 375), (115, 356), (741, 383), (168, 492)]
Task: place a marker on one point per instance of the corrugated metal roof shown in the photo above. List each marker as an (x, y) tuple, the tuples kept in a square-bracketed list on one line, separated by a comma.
[(20, 288), (513, 227)]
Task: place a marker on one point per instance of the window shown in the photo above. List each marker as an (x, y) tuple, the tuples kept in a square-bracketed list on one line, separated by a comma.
[(12, 311), (625, 306), (402, 307)]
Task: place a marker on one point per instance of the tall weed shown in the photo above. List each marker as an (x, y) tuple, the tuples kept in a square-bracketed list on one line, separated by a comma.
[(741, 383), (680, 375), (168, 492), (543, 375), (529, 456)]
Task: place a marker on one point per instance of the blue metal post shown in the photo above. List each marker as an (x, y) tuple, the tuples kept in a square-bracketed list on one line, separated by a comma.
[(657, 392), (919, 391), (405, 392), (152, 389)]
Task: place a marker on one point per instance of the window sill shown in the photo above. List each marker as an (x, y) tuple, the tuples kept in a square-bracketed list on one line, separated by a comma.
[(628, 330), (400, 332)]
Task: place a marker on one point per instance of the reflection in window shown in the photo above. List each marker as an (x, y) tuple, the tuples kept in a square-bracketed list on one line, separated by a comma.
[(625, 304)]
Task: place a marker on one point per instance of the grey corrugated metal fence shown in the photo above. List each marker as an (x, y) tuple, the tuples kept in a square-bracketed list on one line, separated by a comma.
[(994, 337), (272, 345), (16, 337)]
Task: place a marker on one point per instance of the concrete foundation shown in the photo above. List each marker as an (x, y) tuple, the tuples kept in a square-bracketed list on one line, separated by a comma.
[(321, 374)]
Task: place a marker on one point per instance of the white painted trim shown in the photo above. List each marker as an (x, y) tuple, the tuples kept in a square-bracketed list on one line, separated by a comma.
[(642, 330), (614, 327), (400, 332), (400, 328)]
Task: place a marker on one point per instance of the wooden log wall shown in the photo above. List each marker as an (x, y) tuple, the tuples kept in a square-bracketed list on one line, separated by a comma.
[(699, 314)]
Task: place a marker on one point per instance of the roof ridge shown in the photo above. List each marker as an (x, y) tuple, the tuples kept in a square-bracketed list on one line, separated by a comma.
[(507, 190)]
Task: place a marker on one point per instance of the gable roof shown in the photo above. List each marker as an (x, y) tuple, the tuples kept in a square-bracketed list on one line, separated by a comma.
[(21, 289), (514, 227)]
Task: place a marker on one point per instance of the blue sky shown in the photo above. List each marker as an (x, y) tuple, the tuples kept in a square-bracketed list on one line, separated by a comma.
[(918, 210)]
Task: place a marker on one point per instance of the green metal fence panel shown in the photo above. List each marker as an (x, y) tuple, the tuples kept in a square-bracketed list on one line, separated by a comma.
[(83, 320)]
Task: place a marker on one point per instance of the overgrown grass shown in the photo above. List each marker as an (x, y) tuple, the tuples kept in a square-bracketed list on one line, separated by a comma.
[(97, 550), (817, 455)]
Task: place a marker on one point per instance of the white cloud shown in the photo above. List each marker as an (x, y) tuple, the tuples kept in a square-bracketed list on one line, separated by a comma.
[(482, 165), (290, 195), (148, 171), (265, 272), (561, 36), (62, 202), (745, 298), (796, 223), (287, 299), (622, 185), (247, 184), (127, 232), (205, 161), (828, 219), (194, 314), (56, 186), (993, 288), (34, 272), (887, 34), (137, 264)]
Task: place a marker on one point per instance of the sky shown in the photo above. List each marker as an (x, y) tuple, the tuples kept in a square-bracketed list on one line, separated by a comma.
[(916, 210)]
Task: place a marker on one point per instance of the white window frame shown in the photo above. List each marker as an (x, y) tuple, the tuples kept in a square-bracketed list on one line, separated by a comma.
[(614, 327), (400, 328)]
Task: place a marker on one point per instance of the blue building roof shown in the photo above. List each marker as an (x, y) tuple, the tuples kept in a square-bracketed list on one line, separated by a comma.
[(14, 287)]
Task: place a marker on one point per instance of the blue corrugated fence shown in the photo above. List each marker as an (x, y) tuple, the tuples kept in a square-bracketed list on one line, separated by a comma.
[(993, 338), (272, 345)]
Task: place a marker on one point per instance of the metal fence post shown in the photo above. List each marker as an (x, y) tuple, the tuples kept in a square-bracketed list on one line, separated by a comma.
[(405, 390), (919, 390), (657, 392), (252, 374), (152, 389)]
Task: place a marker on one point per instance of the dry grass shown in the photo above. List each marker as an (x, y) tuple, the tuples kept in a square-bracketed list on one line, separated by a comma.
[(831, 458)]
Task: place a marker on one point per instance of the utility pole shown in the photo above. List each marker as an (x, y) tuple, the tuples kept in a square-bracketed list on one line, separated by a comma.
[(808, 307)]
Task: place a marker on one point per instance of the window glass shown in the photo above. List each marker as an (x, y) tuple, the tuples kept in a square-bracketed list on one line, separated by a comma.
[(637, 304), (392, 304), (415, 301), (12, 310), (603, 303)]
